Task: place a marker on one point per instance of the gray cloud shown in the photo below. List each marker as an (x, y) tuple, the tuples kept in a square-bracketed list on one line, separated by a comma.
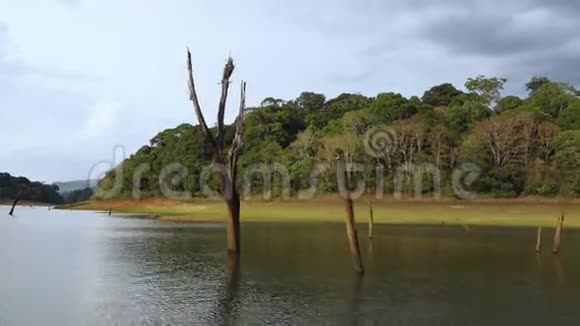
[(489, 31), (511, 38), (557, 65), (534, 38), (493, 35)]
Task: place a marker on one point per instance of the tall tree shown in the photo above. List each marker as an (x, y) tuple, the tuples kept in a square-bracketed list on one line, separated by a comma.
[(508, 103), (535, 83), (568, 159), (488, 88), (569, 118), (551, 98), (226, 173), (336, 108), (464, 111), (389, 107), (309, 102), (441, 95)]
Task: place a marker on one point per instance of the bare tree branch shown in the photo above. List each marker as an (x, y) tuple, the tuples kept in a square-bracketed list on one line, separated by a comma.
[(241, 114), (228, 71), (194, 99), (237, 141)]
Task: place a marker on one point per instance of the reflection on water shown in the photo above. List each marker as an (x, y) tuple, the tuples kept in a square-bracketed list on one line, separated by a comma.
[(82, 268)]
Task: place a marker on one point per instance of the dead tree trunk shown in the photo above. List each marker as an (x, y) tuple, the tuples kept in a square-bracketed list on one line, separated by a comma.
[(226, 172), (539, 240), (558, 234), (344, 189), (371, 214), (15, 203), (233, 225)]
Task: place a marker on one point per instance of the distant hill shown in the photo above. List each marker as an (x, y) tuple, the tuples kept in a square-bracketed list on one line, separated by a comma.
[(70, 186)]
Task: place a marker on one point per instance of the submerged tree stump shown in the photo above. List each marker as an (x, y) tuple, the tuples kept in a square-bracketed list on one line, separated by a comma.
[(539, 240), (344, 188), (14, 204), (558, 234)]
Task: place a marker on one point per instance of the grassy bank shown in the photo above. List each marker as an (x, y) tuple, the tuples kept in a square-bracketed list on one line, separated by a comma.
[(525, 212)]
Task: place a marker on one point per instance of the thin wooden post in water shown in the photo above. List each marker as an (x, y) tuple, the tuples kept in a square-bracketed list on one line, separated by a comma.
[(14, 204), (539, 240), (343, 186), (371, 215), (558, 234)]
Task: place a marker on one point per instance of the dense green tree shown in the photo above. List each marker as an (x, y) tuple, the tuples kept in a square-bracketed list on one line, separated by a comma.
[(389, 107), (309, 102), (11, 187), (273, 123), (441, 95), (464, 111), (270, 101), (336, 108), (184, 145), (358, 121), (568, 159), (536, 82), (508, 103), (551, 98), (569, 118)]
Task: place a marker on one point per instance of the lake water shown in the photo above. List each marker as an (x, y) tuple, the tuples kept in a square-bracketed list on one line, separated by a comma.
[(85, 268)]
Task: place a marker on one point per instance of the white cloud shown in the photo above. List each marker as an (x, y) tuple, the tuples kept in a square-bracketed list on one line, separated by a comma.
[(101, 121)]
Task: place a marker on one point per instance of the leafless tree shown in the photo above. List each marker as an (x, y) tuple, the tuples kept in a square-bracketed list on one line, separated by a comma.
[(410, 140), (546, 137), (226, 168), (506, 139)]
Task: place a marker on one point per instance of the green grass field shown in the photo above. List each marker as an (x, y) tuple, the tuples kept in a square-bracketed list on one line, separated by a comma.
[(488, 212)]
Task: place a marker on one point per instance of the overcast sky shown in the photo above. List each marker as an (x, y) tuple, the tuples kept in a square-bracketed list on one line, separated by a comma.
[(79, 77)]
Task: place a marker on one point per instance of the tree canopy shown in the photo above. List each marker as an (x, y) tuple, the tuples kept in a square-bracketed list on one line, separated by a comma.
[(11, 187), (523, 146)]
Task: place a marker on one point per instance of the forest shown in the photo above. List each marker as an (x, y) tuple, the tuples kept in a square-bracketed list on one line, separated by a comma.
[(521, 146), (12, 187)]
